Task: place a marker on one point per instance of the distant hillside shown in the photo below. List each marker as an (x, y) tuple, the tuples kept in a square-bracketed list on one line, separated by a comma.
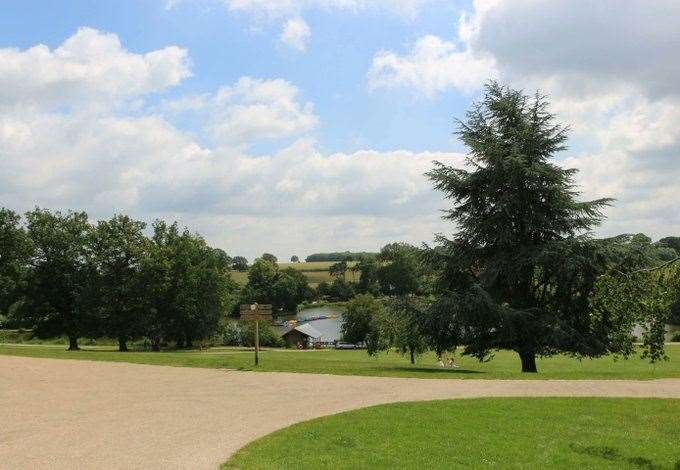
[(315, 272), (339, 256)]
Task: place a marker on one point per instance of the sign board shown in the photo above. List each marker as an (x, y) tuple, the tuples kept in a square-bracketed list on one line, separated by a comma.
[(252, 312)]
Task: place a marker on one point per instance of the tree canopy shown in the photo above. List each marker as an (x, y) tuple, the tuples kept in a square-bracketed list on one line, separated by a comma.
[(521, 266), (60, 289)]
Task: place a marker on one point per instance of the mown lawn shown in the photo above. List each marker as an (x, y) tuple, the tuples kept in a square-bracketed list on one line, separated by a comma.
[(509, 433), (505, 365)]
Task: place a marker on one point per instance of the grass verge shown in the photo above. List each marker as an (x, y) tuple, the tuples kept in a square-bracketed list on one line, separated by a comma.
[(511, 433), (505, 365)]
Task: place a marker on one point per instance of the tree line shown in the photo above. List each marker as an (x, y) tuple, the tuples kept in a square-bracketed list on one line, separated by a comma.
[(60, 274)]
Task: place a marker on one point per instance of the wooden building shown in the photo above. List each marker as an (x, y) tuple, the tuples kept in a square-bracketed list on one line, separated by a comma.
[(303, 336)]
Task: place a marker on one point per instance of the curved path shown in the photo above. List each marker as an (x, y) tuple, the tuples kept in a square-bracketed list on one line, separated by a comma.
[(79, 414)]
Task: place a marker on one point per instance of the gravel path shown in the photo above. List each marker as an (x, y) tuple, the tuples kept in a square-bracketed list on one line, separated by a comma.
[(78, 414)]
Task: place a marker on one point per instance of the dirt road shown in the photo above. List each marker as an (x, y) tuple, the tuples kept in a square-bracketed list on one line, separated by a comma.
[(78, 414)]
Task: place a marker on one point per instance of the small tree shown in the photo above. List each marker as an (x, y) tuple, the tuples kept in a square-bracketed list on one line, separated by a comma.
[(368, 268), (357, 320), (261, 278), (294, 259), (290, 289), (400, 272), (339, 290), (400, 325), (338, 270), (638, 290)]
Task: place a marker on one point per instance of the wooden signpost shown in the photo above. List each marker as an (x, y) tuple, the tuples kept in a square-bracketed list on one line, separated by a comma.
[(257, 313)]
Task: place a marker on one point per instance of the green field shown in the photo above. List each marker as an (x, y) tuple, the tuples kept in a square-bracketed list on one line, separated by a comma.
[(315, 272), (505, 365), (512, 433)]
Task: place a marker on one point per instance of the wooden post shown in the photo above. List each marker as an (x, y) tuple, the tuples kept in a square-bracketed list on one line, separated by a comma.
[(257, 342), (255, 312)]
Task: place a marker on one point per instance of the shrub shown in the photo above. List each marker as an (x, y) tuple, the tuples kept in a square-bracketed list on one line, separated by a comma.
[(675, 338), (239, 333)]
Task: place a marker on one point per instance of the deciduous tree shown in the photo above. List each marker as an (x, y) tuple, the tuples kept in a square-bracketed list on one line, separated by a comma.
[(15, 253), (119, 248), (59, 293)]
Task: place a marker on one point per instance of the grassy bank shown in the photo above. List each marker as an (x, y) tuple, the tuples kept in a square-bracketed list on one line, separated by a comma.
[(556, 433), (505, 365)]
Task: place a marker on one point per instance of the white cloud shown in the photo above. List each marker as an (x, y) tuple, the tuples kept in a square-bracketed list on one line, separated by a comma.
[(146, 167), (260, 109), (296, 34), (90, 68), (296, 31), (611, 72), (109, 159), (431, 67), (251, 110)]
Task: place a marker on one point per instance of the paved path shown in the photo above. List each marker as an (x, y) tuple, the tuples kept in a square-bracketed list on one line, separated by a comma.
[(78, 414)]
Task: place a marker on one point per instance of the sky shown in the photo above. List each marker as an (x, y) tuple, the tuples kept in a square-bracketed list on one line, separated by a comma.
[(300, 126)]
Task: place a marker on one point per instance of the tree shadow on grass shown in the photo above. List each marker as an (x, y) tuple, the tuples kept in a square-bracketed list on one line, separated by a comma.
[(613, 455)]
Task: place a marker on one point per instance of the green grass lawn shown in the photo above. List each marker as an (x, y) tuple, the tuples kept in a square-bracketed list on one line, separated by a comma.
[(505, 365), (508, 433)]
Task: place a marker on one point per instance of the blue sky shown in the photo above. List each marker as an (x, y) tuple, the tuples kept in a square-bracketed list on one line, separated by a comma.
[(294, 126), (224, 46)]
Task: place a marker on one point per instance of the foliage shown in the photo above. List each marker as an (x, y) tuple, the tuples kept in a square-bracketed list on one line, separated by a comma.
[(368, 275), (15, 252), (118, 248), (239, 263), (239, 333), (290, 289), (339, 290), (338, 270), (111, 279), (261, 277), (357, 320), (400, 272), (642, 298), (400, 326), (294, 259), (59, 289), (521, 252), (269, 257), (189, 287), (670, 242), (283, 288), (674, 316)]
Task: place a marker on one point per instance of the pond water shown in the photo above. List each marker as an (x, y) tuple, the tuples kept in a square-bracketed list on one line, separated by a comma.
[(328, 327)]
